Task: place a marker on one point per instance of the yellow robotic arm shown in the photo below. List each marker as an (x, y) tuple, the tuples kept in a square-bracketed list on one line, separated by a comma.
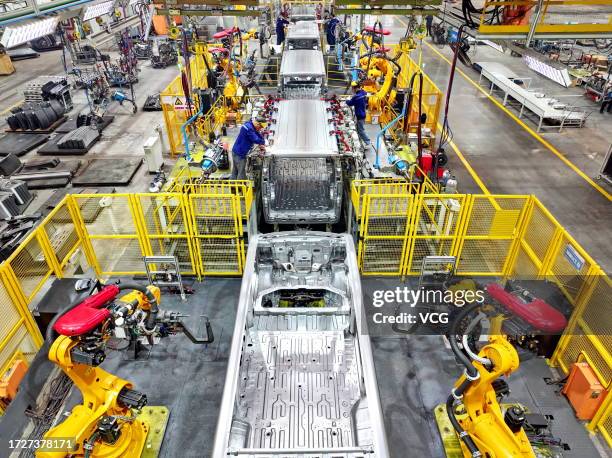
[(473, 407), (105, 424)]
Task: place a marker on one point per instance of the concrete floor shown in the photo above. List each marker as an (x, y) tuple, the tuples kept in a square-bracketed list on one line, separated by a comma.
[(507, 158), (121, 139), (414, 375)]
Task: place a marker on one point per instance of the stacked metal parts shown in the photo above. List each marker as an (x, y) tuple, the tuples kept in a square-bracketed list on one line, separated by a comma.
[(81, 138), (36, 116), (47, 88)]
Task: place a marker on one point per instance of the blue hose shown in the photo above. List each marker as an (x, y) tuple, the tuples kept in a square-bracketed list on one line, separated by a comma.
[(382, 132), (184, 131)]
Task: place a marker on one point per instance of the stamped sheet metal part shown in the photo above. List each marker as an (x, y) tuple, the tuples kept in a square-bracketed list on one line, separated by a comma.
[(302, 171), (300, 377), (302, 73), (303, 35)]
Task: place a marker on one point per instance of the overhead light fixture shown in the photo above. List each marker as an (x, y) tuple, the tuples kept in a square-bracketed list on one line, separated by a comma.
[(558, 75), (15, 35), (98, 10)]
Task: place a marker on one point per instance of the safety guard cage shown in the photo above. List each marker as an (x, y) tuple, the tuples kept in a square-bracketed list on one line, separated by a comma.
[(176, 107), (497, 236), (399, 223)]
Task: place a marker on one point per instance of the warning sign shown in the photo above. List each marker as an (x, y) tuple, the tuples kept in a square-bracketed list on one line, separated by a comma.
[(180, 103)]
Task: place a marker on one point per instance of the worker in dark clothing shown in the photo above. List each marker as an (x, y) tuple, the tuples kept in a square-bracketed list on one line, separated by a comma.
[(330, 29), (359, 102), (281, 23), (250, 135), (606, 100), (428, 22)]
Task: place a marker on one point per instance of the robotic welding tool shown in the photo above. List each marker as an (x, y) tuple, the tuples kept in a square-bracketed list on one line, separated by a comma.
[(107, 423), (473, 407)]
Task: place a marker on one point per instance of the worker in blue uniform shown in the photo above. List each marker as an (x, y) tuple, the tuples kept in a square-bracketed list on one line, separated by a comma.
[(330, 29), (281, 23), (250, 135), (359, 102)]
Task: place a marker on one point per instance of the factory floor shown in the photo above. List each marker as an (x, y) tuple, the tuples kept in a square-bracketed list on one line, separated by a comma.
[(414, 375), (491, 152), (123, 138)]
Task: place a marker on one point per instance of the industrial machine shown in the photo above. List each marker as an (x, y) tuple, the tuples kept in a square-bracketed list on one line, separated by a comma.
[(312, 149), (107, 423), (300, 378), (302, 74), (483, 425)]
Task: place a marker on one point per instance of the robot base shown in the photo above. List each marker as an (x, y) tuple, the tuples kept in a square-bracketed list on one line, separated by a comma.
[(452, 444), (156, 417)]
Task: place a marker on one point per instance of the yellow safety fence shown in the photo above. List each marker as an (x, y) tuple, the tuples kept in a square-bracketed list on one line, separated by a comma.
[(203, 224), (107, 235), (431, 99), (492, 235), (175, 106)]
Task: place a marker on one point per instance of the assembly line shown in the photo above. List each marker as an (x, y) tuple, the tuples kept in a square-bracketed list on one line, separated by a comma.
[(368, 229)]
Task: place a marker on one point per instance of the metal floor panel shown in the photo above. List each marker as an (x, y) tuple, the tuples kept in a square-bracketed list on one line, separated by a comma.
[(301, 184), (298, 389)]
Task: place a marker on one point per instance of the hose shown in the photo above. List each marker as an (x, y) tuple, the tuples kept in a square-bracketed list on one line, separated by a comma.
[(466, 345), (89, 444), (471, 374), (471, 371), (450, 410)]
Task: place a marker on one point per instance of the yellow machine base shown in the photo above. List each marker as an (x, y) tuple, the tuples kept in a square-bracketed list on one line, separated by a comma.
[(157, 419), (452, 446)]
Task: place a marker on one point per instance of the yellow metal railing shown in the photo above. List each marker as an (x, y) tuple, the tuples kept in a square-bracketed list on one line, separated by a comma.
[(175, 106), (492, 235), (557, 17), (431, 99), (203, 225)]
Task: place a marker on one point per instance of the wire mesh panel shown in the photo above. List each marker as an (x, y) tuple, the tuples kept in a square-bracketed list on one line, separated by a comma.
[(165, 223), (20, 341), (492, 229), (109, 225), (62, 233), (30, 266), (175, 106), (384, 233), (218, 232), (436, 232), (18, 331), (243, 189), (361, 188), (11, 315), (570, 266)]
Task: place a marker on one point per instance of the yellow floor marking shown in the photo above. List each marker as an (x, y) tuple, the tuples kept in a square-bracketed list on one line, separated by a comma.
[(533, 133)]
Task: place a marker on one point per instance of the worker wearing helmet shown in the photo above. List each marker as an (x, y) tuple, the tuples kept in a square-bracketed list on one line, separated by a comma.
[(250, 135), (281, 23), (359, 102)]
